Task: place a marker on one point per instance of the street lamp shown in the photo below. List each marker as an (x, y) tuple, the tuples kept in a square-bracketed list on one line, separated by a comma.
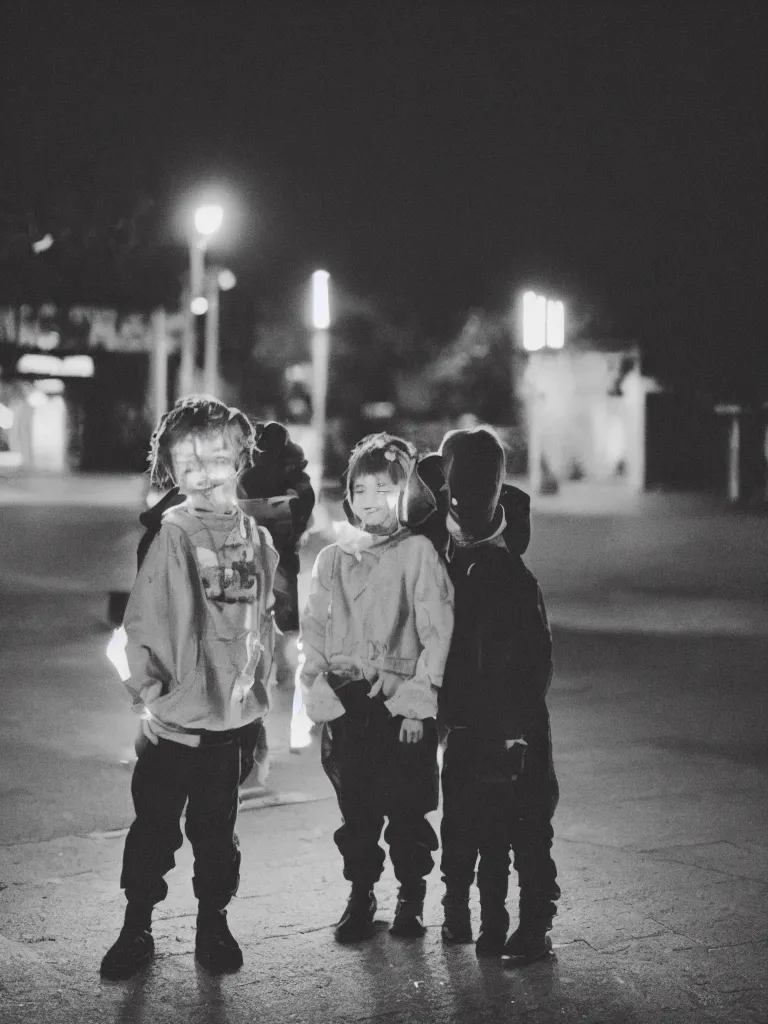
[(207, 220), (320, 320), (218, 279)]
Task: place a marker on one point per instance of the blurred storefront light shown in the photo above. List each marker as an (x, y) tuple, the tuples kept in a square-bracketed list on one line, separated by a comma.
[(543, 322), (38, 364), (555, 324)]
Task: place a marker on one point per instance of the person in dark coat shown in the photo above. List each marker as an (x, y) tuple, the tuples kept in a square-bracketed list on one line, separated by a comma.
[(500, 790)]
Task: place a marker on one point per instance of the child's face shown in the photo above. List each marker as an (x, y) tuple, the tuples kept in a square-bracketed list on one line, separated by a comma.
[(374, 500), (205, 468)]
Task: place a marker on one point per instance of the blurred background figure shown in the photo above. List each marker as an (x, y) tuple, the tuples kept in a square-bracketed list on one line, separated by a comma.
[(277, 492)]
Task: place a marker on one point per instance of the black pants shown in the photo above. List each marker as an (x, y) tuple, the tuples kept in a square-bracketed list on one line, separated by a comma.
[(376, 777), (166, 777), (489, 815)]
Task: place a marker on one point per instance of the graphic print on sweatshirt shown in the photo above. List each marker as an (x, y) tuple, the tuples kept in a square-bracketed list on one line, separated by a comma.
[(231, 576)]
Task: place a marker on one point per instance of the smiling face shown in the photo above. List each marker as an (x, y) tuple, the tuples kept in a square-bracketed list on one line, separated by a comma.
[(373, 501), (205, 469)]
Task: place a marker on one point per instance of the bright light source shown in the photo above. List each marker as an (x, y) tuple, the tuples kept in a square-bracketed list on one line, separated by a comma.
[(543, 322), (208, 219), (116, 653), (226, 280), (199, 305), (77, 366), (321, 307), (534, 321), (6, 417), (33, 363), (36, 398), (555, 324), (37, 364), (42, 244), (47, 340), (301, 724)]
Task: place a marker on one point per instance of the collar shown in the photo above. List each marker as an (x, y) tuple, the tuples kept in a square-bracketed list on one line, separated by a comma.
[(355, 541), (495, 539)]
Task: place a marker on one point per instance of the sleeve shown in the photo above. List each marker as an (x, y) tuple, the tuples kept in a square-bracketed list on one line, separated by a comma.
[(321, 702), (161, 646), (517, 509), (535, 666), (433, 611), (268, 558)]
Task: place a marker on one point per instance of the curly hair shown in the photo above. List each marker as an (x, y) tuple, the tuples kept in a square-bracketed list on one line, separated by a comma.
[(380, 453), (198, 415)]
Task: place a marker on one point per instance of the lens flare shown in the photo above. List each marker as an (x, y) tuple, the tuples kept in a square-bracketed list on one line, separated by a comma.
[(116, 653), (301, 724)]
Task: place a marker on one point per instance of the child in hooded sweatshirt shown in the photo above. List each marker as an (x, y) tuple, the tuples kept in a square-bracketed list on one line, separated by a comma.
[(199, 647), (374, 639), (499, 785)]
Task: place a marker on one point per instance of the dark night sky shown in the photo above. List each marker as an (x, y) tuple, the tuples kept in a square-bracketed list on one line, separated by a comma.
[(437, 154)]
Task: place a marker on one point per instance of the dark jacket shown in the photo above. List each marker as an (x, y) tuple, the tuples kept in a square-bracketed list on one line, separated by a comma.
[(500, 663), (278, 471)]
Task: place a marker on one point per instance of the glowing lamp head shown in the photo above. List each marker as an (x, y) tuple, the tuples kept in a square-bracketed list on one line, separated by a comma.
[(321, 307), (208, 219), (199, 305)]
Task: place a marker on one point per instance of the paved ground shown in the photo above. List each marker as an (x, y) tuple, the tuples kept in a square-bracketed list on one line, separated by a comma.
[(659, 719)]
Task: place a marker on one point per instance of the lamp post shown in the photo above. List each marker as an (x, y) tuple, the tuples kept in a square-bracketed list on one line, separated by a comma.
[(543, 329), (320, 321), (207, 221), (217, 280)]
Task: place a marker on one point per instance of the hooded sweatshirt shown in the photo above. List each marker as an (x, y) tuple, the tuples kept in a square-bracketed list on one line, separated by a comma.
[(199, 626), (379, 608)]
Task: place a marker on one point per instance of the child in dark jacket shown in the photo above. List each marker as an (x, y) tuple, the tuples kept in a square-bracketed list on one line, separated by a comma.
[(499, 784)]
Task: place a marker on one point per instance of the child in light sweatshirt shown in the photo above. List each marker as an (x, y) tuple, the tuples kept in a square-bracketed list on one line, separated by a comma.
[(374, 639), (200, 635)]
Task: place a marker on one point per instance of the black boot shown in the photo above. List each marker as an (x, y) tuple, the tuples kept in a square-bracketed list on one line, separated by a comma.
[(529, 941), (494, 924), (408, 922), (216, 948), (356, 922), (457, 923), (134, 946)]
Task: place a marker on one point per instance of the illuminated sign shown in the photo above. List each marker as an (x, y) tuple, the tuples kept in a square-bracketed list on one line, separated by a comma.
[(39, 365)]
